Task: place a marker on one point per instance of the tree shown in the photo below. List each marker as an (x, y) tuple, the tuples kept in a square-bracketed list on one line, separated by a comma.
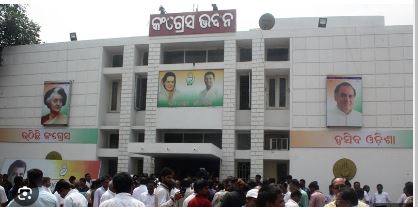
[(16, 28)]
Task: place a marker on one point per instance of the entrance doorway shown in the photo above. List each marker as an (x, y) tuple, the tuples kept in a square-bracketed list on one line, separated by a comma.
[(184, 167)]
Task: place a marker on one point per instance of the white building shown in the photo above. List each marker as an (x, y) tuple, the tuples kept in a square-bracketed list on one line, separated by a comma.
[(274, 92)]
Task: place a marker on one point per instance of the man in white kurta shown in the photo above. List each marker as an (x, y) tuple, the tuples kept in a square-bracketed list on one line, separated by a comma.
[(75, 199), (123, 186), (343, 113)]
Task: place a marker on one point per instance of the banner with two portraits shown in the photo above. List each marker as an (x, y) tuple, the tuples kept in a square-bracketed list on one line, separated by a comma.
[(344, 101)]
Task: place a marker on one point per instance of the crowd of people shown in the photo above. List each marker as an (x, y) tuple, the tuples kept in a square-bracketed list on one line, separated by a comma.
[(199, 191)]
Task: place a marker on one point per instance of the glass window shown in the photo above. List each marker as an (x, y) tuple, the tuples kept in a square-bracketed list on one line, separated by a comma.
[(117, 61), (214, 138), (173, 138), (173, 57), (277, 54), (141, 93), (115, 96), (114, 141), (193, 138), (244, 141), (277, 92), (196, 56), (243, 170), (215, 55), (145, 59), (245, 54), (244, 94)]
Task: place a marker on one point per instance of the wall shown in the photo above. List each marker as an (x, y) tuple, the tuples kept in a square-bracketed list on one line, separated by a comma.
[(22, 76), (390, 167), (189, 118), (382, 56), (276, 118)]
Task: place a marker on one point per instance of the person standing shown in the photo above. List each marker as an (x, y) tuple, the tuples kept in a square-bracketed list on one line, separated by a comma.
[(148, 197), (317, 198), (270, 196), (109, 194), (162, 193), (72, 198), (202, 192), (380, 198), (295, 197), (3, 196), (45, 198), (294, 185), (100, 191), (123, 185)]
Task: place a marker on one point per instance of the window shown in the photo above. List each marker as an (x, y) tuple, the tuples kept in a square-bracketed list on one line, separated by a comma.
[(180, 137), (276, 141), (214, 138), (141, 93), (117, 61), (243, 170), (278, 144), (115, 96), (245, 54), (277, 54), (145, 59), (215, 55), (112, 166), (245, 92), (114, 141), (193, 138), (196, 56), (173, 57), (244, 141), (277, 92)]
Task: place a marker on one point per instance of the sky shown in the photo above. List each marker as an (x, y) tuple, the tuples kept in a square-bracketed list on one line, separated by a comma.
[(128, 18)]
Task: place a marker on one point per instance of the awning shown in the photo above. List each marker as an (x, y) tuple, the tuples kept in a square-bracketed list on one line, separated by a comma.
[(196, 150)]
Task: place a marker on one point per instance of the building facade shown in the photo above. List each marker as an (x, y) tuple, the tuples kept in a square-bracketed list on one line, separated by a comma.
[(274, 101)]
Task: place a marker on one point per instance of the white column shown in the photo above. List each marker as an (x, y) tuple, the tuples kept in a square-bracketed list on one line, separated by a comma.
[(257, 108), (126, 107), (228, 122), (151, 105)]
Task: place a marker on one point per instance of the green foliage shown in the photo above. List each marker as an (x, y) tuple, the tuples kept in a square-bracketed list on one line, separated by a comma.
[(15, 27)]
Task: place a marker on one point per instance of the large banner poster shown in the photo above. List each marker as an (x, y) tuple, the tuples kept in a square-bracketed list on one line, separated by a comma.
[(191, 88), (364, 138), (55, 169), (56, 103), (344, 101)]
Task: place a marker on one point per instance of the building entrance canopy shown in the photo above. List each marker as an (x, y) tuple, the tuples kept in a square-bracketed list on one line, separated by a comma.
[(195, 150)]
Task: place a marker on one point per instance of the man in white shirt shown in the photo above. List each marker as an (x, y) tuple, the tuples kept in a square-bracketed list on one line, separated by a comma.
[(140, 189), (72, 198), (380, 198), (100, 191), (45, 198), (3, 196), (343, 113), (109, 194), (148, 198), (123, 186), (294, 199), (210, 93), (251, 197), (162, 193), (87, 176)]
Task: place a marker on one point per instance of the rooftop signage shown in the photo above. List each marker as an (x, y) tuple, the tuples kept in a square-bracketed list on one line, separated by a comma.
[(203, 22)]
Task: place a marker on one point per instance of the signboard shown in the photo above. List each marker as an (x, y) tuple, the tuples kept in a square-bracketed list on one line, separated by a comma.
[(191, 88), (55, 169), (344, 101), (56, 103), (49, 135), (193, 23), (352, 139)]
